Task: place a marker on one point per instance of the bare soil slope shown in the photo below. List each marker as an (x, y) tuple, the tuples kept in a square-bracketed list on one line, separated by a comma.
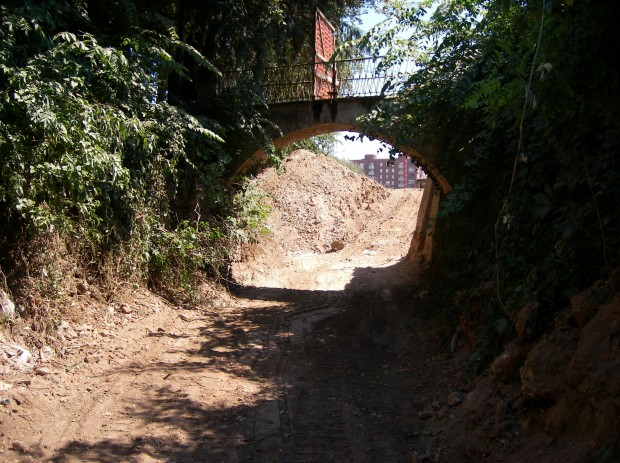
[(319, 208)]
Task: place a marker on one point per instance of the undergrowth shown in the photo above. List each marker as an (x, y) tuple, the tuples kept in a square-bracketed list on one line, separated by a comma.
[(250, 219), (106, 184), (348, 164)]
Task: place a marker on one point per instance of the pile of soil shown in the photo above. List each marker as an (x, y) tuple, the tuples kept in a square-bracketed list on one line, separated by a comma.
[(316, 201), (318, 207)]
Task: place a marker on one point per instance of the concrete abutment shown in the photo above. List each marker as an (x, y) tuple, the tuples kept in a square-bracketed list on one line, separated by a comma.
[(421, 247)]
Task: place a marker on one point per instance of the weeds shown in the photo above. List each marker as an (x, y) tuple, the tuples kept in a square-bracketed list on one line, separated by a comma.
[(250, 220), (178, 258), (348, 164)]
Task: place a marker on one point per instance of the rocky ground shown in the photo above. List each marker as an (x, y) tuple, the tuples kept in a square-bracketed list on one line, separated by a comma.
[(327, 349)]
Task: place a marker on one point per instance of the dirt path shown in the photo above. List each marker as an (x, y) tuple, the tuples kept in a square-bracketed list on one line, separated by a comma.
[(353, 358), (317, 357)]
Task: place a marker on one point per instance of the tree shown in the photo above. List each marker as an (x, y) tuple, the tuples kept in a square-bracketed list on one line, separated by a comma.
[(522, 97)]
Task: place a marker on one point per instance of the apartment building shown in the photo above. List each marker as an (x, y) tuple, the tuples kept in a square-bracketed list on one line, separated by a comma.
[(402, 174)]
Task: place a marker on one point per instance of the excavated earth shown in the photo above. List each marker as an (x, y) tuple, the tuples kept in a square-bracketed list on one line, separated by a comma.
[(326, 349)]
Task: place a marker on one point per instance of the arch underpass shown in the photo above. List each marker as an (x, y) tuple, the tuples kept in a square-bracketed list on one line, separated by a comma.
[(304, 119)]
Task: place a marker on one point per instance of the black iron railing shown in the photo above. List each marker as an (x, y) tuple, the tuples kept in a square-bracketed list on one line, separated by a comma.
[(358, 77)]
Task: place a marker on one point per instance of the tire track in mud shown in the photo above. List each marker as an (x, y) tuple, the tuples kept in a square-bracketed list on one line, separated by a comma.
[(349, 384), (311, 436), (280, 430)]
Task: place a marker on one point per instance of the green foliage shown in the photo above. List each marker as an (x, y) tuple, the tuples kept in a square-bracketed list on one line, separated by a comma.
[(91, 151), (324, 144), (348, 164), (250, 219), (178, 258), (77, 119), (521, 99)]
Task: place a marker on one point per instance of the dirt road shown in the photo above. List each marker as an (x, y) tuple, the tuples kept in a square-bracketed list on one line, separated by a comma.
[(316, 357), (352, 357)]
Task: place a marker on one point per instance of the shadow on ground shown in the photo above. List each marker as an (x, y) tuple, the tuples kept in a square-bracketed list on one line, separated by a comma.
[(358, 348)]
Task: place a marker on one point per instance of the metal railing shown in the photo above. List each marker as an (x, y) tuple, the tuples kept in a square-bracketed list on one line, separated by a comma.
[(357, 77)]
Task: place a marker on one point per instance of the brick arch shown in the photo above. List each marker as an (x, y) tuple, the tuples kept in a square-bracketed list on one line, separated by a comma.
[(421, 154), (411, 152)]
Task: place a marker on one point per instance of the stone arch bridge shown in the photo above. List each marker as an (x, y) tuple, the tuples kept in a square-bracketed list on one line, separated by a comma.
[(305, 101)]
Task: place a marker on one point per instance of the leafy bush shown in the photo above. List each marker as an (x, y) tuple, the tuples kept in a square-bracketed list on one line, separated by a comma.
[(250, 218), (80, 127), (178, 258), (93, 151)]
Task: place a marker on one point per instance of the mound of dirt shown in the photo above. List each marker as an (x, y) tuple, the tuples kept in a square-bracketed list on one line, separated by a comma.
[(321, 207), (318, 202)]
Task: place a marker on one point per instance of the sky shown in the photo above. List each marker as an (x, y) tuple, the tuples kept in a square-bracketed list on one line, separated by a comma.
[(349, 150)]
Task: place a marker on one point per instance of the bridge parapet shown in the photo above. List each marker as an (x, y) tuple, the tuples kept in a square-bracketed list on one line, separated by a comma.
[(325, 80)]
